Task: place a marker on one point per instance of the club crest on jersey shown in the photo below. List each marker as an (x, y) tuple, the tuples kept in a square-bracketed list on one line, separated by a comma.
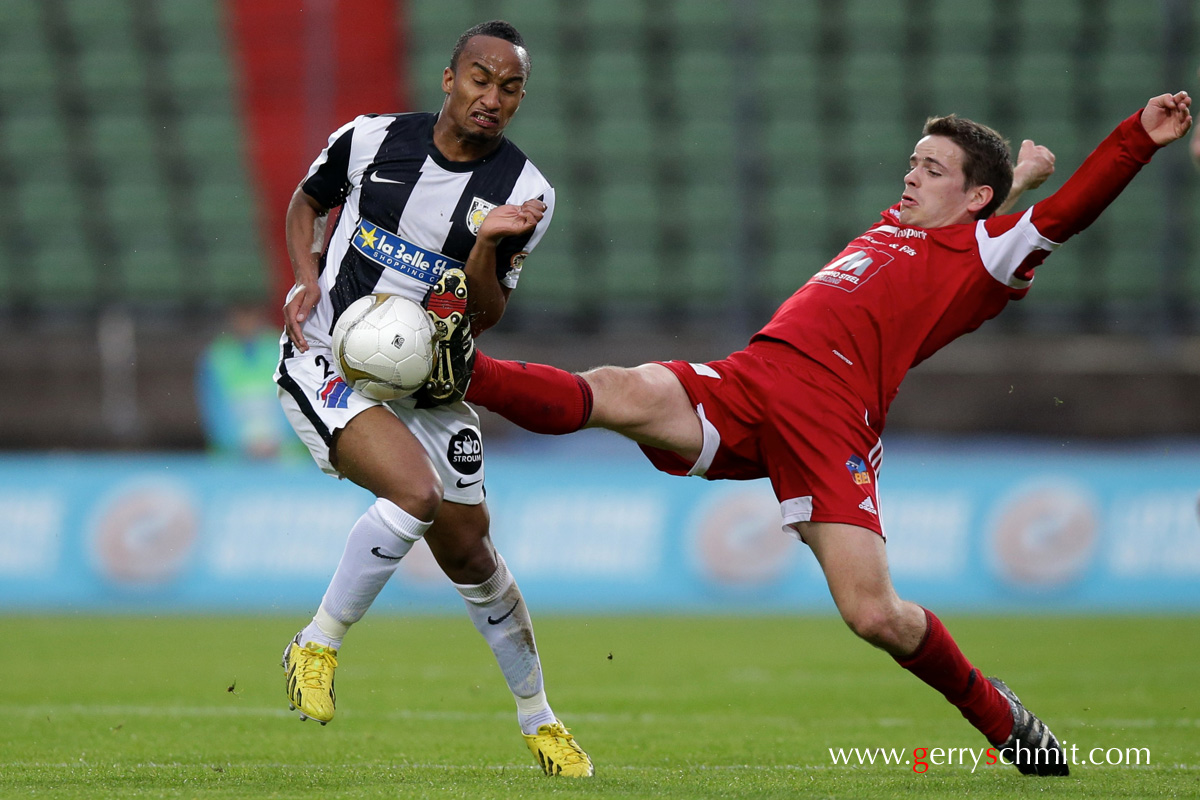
[(858, 470), (479, 211)]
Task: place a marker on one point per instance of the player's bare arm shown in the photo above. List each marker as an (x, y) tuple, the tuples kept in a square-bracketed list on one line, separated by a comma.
[(488, 297), (1035, 163), (301, 225), (1167, 117)]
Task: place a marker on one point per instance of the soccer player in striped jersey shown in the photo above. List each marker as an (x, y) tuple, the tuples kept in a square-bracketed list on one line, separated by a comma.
[(804, 403), (440, 208)]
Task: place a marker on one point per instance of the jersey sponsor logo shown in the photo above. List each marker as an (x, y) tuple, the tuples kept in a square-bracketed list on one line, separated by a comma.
[(334, 393), (395, 252), (858, 470), (852, 270), (477, 213), (900, 233), (465, 452)]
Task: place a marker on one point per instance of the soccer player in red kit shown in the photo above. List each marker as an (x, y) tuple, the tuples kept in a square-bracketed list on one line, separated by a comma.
[(804, 403)]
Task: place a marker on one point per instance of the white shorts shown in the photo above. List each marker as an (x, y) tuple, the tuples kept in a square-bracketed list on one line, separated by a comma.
[(318, 403)]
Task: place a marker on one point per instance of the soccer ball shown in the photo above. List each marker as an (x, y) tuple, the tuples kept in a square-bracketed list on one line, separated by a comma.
[(383, 346)]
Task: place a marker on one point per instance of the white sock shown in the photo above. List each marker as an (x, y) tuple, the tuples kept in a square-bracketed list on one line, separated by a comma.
[(499, 613), (381, 537)]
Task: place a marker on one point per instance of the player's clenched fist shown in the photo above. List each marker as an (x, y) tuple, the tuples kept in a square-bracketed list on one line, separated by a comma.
[(512, 220)]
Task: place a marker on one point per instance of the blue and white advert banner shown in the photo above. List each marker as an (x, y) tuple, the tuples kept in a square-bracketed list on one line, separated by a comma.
[(970, 526)]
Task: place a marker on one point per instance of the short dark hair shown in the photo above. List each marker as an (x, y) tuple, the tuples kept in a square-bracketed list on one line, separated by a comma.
[(986, 159), (498, 29)]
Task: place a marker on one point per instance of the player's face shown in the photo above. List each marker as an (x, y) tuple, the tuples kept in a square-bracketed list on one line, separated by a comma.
[(934, 193), (484, 90)]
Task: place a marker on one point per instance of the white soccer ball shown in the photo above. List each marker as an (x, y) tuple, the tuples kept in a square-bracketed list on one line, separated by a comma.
[(383, 346)]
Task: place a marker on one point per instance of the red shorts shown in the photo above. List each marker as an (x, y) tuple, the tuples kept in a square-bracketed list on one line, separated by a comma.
[(769, 412)]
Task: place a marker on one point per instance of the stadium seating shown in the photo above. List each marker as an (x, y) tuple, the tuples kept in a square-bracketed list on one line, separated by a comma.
[(652, 119), (139, 195)]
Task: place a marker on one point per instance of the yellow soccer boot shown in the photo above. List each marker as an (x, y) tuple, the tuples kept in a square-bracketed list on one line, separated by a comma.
[(558, 753), (308, 675)]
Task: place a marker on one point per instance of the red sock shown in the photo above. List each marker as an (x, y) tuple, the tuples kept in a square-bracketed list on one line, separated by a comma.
[(539, 398), (940, 663)]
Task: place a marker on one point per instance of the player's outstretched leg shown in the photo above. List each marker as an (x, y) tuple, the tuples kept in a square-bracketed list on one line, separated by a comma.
[(454, 347), (1031, 746), (537, 397), (308, 675)]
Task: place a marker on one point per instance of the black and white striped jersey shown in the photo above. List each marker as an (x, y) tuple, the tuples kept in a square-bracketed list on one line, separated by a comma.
[(408, 213)]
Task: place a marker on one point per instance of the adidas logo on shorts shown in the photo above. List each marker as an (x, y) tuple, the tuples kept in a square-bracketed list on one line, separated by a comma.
[(868, 506)]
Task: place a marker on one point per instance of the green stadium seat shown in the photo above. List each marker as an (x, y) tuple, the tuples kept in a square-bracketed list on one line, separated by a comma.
[(789, 83), (60, 273), (700, 21), (192, 26), (958, 84), (627, 142), (200, 80), (61, 265), (879, 149), (212, 145), (124, 145), (35, 145), (627, 15), (881, 25), (612, 78), (628, 215), (113, 78), (787, 17), (961, 27), (704, 84), (27, 79), (875, 81), (19, 14), (707, 144), (237, 264), (537, 20)]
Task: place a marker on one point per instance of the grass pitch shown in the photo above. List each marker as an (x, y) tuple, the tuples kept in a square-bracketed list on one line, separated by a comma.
[(666, 706)]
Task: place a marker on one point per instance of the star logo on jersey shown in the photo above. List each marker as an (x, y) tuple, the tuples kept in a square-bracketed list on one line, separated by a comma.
[(480, 208), (858, 470), (367, 238)]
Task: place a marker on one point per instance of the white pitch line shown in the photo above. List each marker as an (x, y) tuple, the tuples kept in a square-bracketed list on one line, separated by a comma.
[(682, 765), (238, 710)]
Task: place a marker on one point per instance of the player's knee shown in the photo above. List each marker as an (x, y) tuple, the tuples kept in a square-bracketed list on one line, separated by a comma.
[(873, 622), (419, 495), (470, 568), (465, 559), (620, 396)]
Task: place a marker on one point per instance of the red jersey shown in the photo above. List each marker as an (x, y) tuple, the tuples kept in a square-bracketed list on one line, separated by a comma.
[(897, 294)]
